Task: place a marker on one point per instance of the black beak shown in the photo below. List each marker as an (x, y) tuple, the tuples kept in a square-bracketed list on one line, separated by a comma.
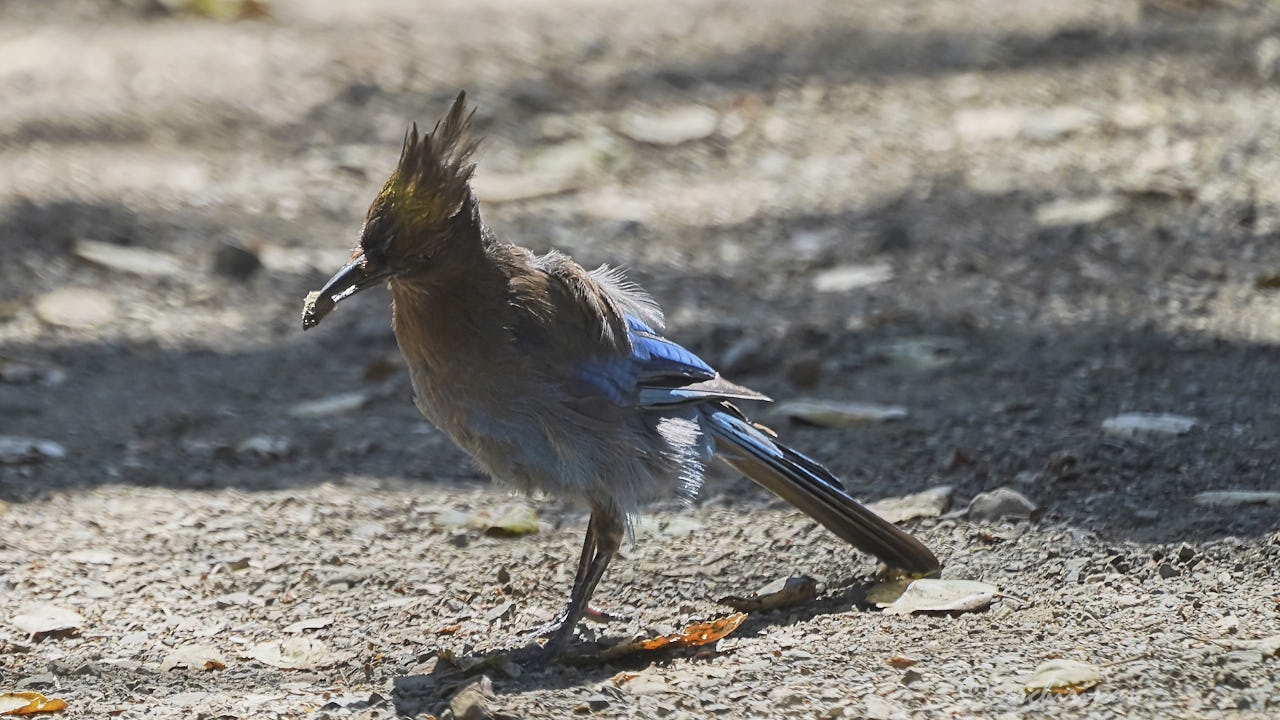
[(351, 279)]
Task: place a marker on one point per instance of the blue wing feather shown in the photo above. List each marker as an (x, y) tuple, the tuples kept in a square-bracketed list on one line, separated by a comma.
[(654, 362)]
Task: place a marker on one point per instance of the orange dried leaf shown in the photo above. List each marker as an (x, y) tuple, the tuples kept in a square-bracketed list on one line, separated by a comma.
[(449, 629), (703, 633), (696, 634), (27, 702), (900, 661)]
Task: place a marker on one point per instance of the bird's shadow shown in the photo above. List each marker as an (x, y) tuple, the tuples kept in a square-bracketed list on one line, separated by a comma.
[(510, 671)]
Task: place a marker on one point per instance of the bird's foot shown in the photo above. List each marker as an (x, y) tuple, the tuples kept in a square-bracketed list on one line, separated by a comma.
[(549, 628), (558, 633), (556, 625), (605, 616)]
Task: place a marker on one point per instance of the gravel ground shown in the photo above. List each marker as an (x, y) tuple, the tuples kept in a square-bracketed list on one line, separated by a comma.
[(1011, 221)]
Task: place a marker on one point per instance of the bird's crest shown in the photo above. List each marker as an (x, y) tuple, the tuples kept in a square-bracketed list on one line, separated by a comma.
[(431, 182)]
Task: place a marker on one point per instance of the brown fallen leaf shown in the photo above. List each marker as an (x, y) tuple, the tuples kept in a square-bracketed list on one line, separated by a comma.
[(695, 634), (27, 702)]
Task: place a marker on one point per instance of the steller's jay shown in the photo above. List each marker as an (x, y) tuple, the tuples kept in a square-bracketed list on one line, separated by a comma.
[(556, 378)]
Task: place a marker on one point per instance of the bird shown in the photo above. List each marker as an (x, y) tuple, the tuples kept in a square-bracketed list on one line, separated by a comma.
[(558, 379)]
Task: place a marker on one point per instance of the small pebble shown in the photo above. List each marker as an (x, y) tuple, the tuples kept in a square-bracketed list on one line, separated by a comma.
[(233, 260), (1004, 502)]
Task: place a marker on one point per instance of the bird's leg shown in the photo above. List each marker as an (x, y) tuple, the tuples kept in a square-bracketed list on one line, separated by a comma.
[(592, 612), (584, 563), (604, 531)]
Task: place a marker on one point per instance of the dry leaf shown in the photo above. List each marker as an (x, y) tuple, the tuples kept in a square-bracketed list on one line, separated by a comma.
[(929, 595), (900, 662), (196, 657), (696, 634), (26, 702), (783, 592), (884, 593), (519, 520), (46, 618), (1063, 677)]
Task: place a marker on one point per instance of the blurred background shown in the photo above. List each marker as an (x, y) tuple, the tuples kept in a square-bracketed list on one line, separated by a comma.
[(1014, 219), (999, 223)]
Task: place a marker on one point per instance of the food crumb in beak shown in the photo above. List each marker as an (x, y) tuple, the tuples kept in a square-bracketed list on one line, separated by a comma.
[(309, 316)]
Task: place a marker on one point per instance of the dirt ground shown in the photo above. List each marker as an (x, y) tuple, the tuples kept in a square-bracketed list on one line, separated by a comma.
[(1013, 220)]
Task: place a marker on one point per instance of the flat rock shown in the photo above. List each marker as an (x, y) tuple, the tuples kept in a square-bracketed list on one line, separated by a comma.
[(265, 447), (673, 126), (834, 414), (194, 657), (988, 124), (136, 260), (47, 618), (922, 353), (1057, 122), (844, 278), (297, 653), (187, 699), (15, 449), (1000, 503), (783, 592), (1137, 425), (330, 405), (926, 503), (17, 372), (233, 260), (878, 708), (76, 308), (1086, 211), (1063, 677), (646, 685), (474, 700), (1235, 498)]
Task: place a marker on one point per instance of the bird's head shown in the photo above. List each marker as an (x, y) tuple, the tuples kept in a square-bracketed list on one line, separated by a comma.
[(419, 217)]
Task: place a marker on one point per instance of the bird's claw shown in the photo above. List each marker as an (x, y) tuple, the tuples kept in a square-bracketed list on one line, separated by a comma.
[(548, 628), (605, 616)]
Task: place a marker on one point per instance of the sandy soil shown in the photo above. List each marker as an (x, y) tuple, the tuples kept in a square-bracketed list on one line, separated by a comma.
[(1014, 220)]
